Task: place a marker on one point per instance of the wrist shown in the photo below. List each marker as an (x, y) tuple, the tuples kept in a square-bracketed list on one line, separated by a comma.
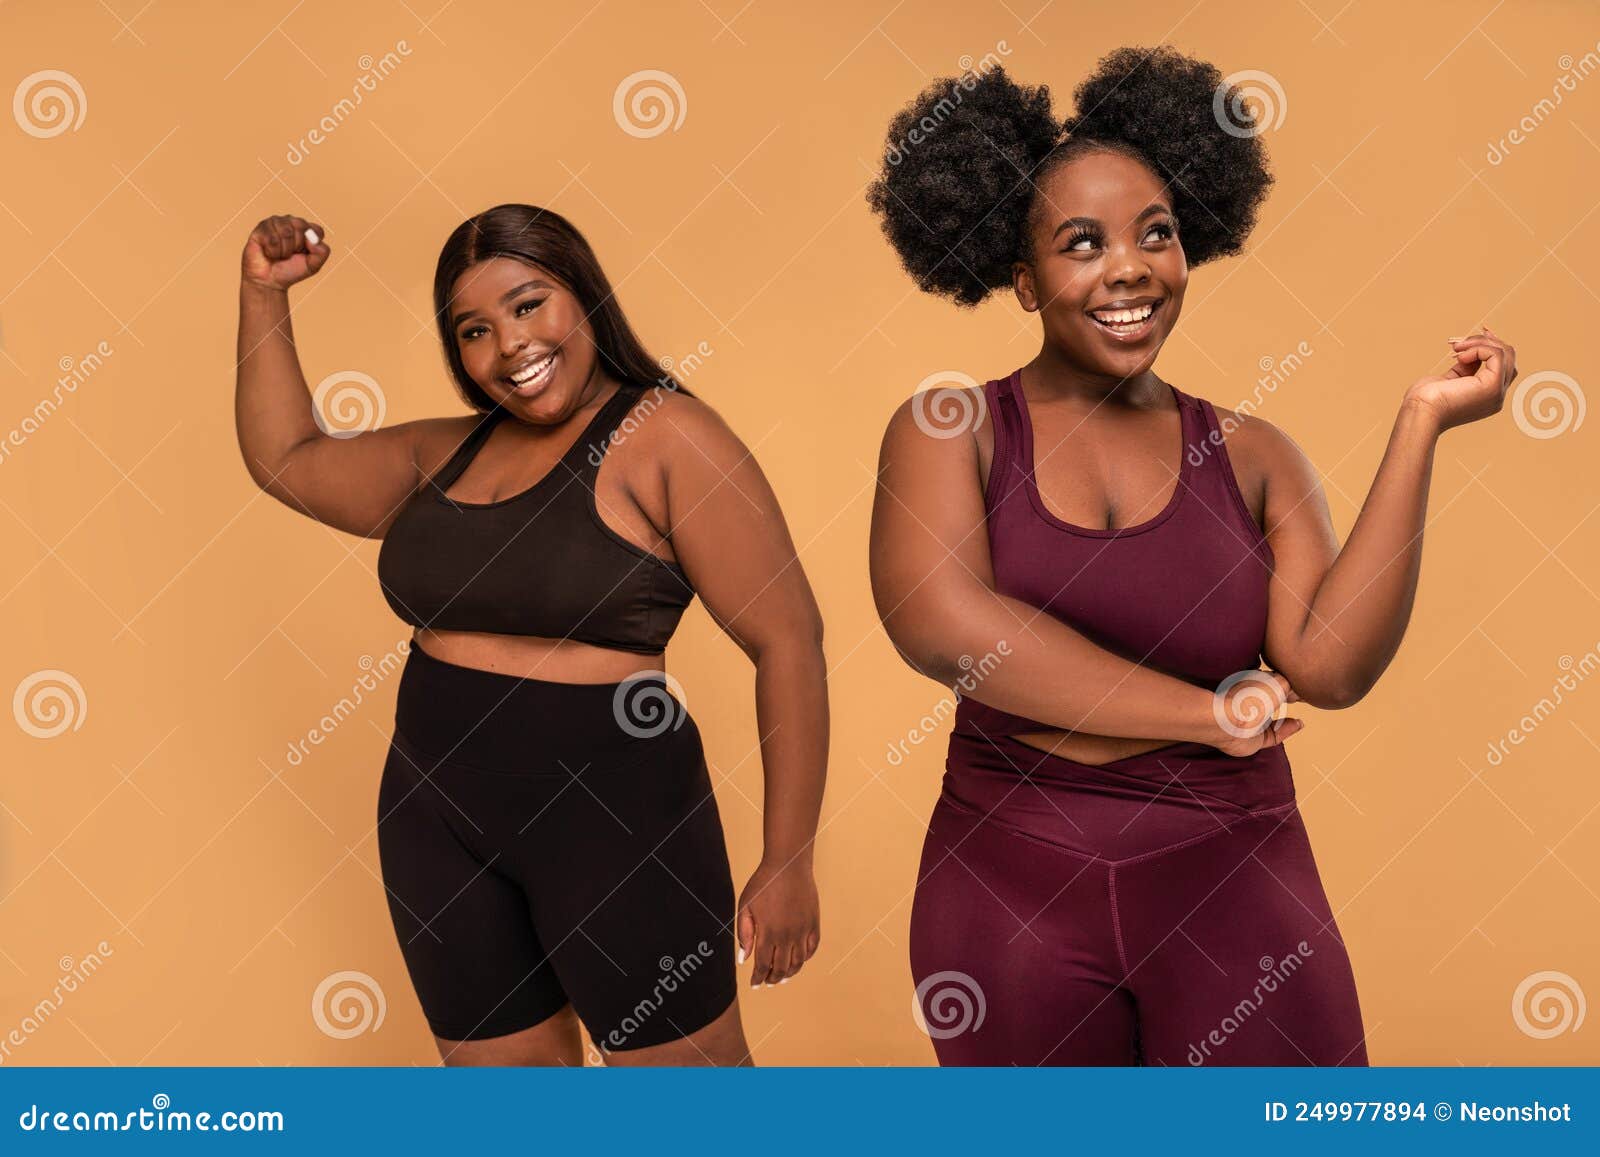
[(250, 290), (786, 859), (1421, 415), (1200, 720)]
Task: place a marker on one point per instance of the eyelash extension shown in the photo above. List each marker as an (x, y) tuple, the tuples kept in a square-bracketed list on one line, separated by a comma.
[(1084, 233), (536, 302)]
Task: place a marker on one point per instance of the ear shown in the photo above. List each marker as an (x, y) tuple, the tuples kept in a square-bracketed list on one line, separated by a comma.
[(1022, 286)]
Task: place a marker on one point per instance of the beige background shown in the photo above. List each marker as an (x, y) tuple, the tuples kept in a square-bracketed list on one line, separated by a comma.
[(210, 627)]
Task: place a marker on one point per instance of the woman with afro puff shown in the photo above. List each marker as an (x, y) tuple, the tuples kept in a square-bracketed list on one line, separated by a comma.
[(1116, 871)]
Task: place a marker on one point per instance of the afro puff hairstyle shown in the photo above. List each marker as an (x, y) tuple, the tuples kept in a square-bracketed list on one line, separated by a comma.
[(956, 191)]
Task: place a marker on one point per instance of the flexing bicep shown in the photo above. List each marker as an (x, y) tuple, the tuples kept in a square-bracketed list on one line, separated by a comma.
[(729, 534), (1304, 545), (358, 484)]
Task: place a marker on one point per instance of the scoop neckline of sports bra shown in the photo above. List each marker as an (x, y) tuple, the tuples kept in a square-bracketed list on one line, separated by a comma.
[(494, 418), (1014, 384)]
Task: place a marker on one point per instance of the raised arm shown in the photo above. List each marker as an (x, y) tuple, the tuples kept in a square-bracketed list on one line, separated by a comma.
[(729, 535), (357, 483), (933, 582), (1336, 616)]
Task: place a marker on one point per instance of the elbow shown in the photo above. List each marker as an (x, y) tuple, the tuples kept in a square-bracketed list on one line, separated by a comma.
[(1333, 693), (924, 643)]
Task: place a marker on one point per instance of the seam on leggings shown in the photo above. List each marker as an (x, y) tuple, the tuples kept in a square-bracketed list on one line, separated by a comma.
[(1280, 809), (1018, 833), (1116, 921), (1095, 857)]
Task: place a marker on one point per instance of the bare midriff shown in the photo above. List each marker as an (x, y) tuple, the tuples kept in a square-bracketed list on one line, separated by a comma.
[(1093, 749), (529, 657)]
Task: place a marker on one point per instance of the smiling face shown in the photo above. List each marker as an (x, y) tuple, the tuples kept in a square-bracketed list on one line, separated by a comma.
[(1106, 272), (523, 338)]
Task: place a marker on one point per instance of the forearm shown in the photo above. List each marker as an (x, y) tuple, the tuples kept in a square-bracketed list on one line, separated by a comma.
[(792, 721), (1015, 658), (1359, 613), (272, 406)]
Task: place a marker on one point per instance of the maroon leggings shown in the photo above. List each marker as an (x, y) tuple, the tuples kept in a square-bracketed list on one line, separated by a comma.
[(1162, 909)]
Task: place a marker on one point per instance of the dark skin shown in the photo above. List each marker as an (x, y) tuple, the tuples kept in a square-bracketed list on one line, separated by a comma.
[(680, 484), (1106, 429)]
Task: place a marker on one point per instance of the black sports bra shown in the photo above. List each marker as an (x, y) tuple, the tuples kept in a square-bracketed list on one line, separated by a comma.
[(538, 563)]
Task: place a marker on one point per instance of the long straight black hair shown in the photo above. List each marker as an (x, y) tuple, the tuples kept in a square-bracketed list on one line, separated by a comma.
[(548, 240)]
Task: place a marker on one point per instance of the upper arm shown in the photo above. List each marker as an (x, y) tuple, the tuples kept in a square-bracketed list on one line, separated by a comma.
[(358, 484), (929, 530), (1300, 532), (727, 529)]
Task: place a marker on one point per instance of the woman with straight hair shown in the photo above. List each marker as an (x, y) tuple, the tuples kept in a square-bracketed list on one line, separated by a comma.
[(550, 843)]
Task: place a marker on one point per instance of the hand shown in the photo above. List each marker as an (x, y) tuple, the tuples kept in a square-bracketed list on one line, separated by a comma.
[(277, 253), (1474, 386), (779, 926), (1245, 713)]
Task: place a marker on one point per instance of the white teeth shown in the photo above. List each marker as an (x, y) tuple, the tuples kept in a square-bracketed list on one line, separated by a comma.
[(1123, 316), (533, 370)]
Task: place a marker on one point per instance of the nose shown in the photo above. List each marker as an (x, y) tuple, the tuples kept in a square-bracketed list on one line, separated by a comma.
[(511, 344), (1126, 265)]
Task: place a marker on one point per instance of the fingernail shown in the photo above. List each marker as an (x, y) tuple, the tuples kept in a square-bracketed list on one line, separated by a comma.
[(1453, 340), (785, 980), (740, 959)]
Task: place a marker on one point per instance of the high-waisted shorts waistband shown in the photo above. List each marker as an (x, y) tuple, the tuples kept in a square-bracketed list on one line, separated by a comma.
[(1118, 810), (499, 722)]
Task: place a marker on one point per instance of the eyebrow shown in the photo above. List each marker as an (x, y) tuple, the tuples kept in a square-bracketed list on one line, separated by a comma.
[(1148, 210), (504, 297)]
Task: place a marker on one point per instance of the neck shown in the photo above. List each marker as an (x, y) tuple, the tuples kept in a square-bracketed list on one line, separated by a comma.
[(1058, 377)]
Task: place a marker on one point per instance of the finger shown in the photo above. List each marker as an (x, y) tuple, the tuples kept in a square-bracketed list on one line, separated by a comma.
[(1282, 729), (762, 973), (745, 934), (790, 959)]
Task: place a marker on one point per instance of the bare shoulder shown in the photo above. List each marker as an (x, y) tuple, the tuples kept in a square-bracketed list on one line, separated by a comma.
[(664, 425), (435, 440), (947, 423), (1263, 452)]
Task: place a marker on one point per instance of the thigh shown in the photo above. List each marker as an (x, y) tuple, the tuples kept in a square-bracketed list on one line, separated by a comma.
[(554, 1041), (464, 927), (634, 897), (1012, 950), (1234, 953)]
